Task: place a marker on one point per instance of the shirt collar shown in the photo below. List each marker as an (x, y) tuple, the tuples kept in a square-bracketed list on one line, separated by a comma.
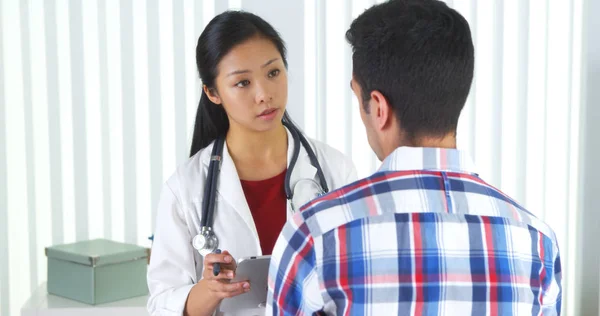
[(424, 158)]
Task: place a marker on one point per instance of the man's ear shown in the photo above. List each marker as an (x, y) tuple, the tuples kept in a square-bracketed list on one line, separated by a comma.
[(381, 110), (212, 94)]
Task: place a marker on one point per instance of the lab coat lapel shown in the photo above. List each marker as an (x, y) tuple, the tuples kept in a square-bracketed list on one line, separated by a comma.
[(229, 191), (229, 187)]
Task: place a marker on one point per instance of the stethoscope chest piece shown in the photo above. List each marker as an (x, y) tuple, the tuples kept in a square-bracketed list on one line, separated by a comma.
[(206, 242)]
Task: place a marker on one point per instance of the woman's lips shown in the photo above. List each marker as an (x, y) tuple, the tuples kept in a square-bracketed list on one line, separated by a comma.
[(268, 114)]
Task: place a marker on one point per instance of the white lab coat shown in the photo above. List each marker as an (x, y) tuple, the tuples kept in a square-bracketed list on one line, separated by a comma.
[(175, 266)]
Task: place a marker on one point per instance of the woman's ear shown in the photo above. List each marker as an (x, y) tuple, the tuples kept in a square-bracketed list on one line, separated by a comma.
[(212, 94)]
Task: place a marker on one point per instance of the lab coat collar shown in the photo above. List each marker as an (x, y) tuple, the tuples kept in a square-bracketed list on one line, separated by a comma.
[(229, 187)]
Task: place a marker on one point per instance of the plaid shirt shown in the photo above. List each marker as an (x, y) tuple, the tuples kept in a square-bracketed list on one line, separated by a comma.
[(423, 236)]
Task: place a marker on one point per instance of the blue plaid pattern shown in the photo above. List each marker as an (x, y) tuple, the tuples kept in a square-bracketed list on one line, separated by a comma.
[(423, 236)]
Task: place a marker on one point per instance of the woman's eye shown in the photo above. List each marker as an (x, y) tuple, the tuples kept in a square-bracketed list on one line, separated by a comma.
[(274, 73), (242, 83)]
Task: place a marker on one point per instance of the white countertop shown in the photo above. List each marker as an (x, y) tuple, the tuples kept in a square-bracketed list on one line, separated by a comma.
[(43, 304)]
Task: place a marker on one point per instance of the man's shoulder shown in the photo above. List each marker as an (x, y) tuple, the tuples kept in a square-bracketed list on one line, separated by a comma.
[(338, 207), (402, 191), (347, 196), (505, 206)]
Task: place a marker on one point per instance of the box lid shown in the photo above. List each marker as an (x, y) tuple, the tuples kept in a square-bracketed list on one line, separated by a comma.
[(97, 252)]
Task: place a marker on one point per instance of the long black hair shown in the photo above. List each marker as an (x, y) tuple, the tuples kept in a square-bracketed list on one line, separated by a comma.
[(222, 33)]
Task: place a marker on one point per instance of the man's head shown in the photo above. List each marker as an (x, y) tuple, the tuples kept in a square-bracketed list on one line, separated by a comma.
[(412, 70)]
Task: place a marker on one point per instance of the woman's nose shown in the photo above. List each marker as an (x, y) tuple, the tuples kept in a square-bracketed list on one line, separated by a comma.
[(263, 94)]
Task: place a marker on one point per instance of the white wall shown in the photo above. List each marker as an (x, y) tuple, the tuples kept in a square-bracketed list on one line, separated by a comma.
[(97, 101), (589, 250)]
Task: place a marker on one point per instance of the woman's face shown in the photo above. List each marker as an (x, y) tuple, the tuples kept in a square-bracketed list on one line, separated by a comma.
[(251, 85)]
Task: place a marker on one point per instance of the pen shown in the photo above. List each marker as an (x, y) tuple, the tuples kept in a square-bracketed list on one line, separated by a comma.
[(216, 265)]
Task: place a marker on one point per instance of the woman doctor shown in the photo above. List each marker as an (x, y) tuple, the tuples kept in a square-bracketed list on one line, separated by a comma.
[(242, 64)]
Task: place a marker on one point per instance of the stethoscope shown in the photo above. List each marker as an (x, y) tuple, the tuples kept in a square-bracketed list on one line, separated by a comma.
[(207, 242)]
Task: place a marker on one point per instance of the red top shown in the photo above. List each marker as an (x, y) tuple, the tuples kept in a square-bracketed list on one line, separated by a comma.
[(267, 202)]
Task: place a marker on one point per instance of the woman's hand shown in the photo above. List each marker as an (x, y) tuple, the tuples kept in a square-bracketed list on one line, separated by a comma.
[(220, 286), (206, 295)]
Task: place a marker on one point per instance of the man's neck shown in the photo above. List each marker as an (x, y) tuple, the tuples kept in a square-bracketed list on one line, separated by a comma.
[(448, 141)]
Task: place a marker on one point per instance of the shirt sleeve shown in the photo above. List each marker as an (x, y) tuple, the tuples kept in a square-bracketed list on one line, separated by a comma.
[(293, 279)]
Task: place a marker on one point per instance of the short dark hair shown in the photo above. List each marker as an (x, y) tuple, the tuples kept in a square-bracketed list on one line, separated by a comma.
[(419, 54)]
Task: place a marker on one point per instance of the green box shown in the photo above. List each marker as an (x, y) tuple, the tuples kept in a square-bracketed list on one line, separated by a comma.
[(97, 271)]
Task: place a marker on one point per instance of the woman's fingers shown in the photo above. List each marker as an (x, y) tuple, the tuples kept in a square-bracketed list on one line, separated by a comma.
[(224, 258), (231, 294), (225, 274), (225, 290), (229, 265), (222, 267), (225, 261)]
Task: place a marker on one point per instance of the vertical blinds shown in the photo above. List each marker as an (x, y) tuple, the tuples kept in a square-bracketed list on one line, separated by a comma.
[(98, 100)]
